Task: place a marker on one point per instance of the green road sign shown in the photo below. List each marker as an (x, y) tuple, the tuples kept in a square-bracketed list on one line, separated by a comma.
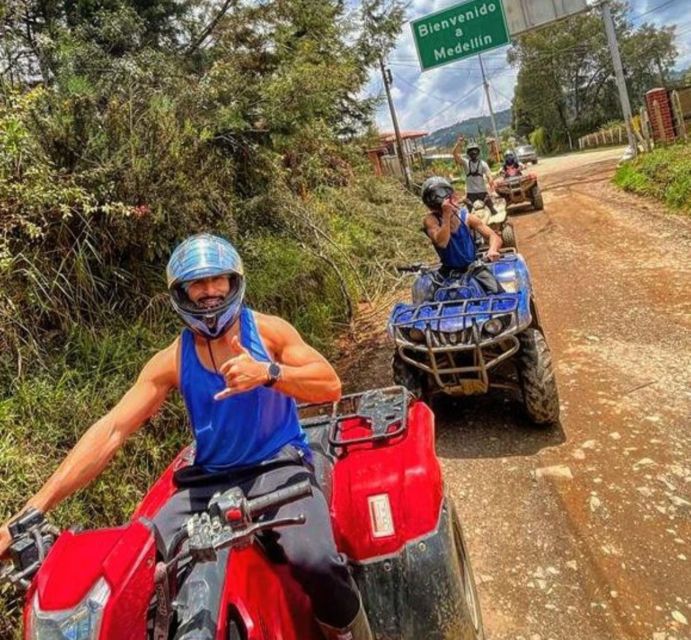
[(464, 30)]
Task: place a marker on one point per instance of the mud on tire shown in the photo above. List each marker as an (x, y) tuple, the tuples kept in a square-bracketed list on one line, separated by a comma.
[(508, 236), (536, 375), (536, 198)]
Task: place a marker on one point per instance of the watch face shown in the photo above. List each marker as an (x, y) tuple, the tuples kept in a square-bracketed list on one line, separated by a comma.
[(274, 371)]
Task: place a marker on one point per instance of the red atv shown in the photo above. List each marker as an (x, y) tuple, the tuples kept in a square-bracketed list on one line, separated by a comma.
[(516, 188), (375, 461)]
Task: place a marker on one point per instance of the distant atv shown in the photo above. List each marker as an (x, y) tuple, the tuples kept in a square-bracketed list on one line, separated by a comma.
[(518, 188), (459, 340), (497, 222)]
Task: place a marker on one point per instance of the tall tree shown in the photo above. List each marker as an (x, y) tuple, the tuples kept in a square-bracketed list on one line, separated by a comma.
[(566, 79)]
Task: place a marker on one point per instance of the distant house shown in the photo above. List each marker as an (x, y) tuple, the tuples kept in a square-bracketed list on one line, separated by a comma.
[(384, 158)]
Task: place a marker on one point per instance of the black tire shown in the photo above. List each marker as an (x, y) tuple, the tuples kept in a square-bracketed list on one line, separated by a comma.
[(407, 377), (470, 597), (234, 632), (537, 379), (508, 236), (536, 198), (536, 321), (534, 161)]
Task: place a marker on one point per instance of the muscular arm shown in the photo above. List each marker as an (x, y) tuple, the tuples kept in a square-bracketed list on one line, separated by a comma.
[(306, 375), (440, 233), (494, 239), (457, 151), (102, 440)]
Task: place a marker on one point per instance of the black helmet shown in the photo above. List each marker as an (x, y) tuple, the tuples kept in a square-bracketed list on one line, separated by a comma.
[(473, 147), (510, 156), (435, 190)]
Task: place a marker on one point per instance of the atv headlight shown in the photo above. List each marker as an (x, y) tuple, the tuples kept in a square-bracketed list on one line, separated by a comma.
[(416, 335), (81, 623), (494, 326)]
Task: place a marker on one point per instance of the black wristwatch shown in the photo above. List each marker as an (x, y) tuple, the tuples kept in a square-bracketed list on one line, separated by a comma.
[(274, 373)]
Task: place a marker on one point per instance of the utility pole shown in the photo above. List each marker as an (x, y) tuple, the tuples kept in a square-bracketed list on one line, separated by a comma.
[(619, 74), (660, 71), (489, 102), (388, 80)]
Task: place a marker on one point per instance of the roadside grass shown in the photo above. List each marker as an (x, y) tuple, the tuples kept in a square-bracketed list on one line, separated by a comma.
[(664, 174)]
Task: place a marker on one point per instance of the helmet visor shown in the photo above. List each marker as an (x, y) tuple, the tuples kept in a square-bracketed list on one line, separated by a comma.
[(437, 195), (206, 304)]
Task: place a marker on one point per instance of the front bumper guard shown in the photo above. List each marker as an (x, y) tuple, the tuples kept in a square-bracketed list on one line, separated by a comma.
[(442, 351)]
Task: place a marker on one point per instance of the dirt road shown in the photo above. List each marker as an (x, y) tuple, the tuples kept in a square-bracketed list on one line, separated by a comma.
[(583, 531)]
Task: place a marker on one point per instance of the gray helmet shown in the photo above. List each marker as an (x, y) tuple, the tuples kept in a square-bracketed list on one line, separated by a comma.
[(435, 190), (473, 146)]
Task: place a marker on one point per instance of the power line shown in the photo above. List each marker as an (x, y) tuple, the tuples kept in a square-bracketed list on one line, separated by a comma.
[(461, 99), (653, 10), (430, 95), (469, 69), (501, 95), (453, 104)]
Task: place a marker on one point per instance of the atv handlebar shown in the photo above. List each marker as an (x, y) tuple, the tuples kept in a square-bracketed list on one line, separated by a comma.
[(258, 506), (410, 268), (32, 539), (420, 267), (229, 521)]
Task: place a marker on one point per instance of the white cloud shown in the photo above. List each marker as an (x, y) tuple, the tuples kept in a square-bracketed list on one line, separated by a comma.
[(435, 98)]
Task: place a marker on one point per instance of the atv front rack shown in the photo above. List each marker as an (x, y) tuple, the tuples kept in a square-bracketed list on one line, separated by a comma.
[(471, 312), (384, 412), (462, 357)]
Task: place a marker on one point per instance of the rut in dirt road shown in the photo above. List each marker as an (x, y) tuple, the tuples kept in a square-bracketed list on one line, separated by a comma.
[(581, 532)]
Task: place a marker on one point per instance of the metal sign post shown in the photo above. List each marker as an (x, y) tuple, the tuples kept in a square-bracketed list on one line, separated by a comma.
[(461, 31)]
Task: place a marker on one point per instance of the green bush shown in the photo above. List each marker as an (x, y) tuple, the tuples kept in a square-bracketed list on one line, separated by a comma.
[(537, 140), (135, 138), (665, 174)]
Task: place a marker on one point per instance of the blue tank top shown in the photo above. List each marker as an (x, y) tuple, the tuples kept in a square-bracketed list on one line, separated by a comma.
[(460, 251), (244, 429)]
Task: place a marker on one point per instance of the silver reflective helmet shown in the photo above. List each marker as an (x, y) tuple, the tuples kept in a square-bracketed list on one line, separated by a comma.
[(435, 190), (206, 256)]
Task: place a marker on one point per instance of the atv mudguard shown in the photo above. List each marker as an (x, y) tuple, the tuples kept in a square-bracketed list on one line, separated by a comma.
[(394, 523), (417, 592)]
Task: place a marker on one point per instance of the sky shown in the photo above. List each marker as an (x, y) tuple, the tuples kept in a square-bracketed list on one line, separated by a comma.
[(451, 93)]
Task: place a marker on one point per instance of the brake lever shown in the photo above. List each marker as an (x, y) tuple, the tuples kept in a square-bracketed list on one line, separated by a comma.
[(231, 538), (18, 579)]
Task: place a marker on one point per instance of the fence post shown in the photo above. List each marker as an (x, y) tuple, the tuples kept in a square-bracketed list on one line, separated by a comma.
[(678, 115), (645, 129)]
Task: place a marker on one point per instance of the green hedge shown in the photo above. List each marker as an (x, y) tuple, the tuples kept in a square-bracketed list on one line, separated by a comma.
[(665, 174)]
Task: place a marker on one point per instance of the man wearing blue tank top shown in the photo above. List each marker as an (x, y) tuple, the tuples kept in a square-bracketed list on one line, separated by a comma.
[(240, 373), (449, 226)]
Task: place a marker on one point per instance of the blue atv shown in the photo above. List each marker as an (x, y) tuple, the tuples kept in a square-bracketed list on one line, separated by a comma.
[(467, 331)]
